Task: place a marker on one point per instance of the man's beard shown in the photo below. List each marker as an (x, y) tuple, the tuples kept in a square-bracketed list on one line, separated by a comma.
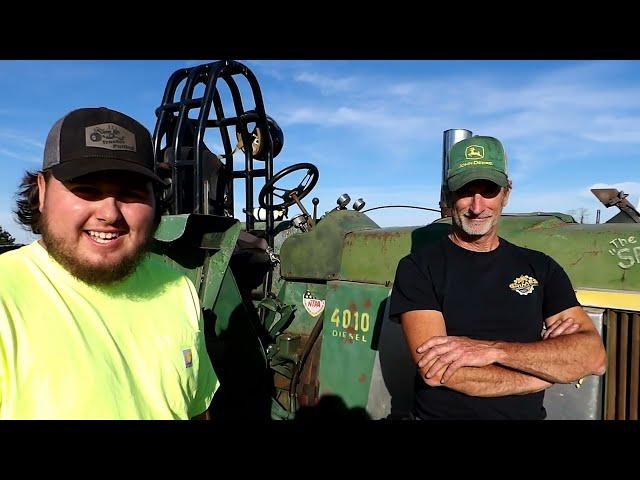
[(465, 224), (65, 255)]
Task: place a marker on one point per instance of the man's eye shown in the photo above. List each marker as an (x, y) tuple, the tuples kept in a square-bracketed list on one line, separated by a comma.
[(85, 191), (491, 192), (135, 195)]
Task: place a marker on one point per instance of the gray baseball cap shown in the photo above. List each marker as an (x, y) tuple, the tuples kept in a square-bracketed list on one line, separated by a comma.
[(91, 140)]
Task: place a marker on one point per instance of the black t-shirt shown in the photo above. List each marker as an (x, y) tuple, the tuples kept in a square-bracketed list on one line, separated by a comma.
[(505, 294)]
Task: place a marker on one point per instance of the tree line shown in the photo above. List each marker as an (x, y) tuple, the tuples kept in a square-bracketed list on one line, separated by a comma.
[(5, 237)]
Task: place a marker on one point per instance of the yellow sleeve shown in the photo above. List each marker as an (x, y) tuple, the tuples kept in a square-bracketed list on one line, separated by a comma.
[(3, 354)]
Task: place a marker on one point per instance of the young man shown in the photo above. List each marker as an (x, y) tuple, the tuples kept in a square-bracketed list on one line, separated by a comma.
[(473, 307), (91, 327)]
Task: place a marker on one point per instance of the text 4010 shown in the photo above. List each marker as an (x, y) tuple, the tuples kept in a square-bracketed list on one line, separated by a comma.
[(351, 320)]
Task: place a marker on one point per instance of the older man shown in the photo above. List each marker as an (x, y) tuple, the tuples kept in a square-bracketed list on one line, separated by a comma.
[(473, 307), (91, 327)]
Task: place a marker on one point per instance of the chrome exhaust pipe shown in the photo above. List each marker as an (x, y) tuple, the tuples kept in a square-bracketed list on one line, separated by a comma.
[(449, 139)]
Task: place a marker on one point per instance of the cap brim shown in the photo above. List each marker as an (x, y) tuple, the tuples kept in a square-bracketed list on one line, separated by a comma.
[(460, 180), (70, 170)]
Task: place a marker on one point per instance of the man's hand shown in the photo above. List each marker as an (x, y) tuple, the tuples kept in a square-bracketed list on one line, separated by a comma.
[(446, 354), (561, 327)]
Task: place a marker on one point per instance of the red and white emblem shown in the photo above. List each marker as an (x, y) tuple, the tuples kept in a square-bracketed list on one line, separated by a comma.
[(313, 305)]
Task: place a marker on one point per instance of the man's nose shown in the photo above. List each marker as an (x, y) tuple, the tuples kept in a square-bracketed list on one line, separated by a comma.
[(108, 210), (477, 203)]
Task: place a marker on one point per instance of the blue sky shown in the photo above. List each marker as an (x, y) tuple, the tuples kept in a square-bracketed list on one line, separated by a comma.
[(374, 128)]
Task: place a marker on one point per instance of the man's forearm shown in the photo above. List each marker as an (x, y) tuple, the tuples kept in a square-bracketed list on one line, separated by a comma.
[(490, 381), (562, 359)]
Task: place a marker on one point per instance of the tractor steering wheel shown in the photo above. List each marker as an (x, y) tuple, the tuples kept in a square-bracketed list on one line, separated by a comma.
[(304, 187)]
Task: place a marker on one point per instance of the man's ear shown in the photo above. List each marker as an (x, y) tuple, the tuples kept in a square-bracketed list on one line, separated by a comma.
[(42, 188)]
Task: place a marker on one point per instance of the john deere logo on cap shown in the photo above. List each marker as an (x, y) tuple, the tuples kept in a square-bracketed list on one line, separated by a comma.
[(110, 136), (474, 152)]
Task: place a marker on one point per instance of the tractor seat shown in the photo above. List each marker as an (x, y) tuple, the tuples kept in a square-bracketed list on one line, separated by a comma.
[(250, 264)]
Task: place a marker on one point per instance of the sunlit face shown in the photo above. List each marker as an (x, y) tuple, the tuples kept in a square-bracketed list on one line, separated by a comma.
[(477, 207), (99, 225)]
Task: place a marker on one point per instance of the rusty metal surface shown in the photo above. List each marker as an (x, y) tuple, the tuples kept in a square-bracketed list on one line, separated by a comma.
[(309, 383), (372, 256), (623, 365), (610, 392), (634, 384), (608, 196), (611, 197), (621, 394)]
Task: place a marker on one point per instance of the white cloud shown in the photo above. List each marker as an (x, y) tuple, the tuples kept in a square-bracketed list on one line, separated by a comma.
[(20, 138), (404, 89), (326, 84), (376, 119), (7, 153), (564, 111), (278, 69)]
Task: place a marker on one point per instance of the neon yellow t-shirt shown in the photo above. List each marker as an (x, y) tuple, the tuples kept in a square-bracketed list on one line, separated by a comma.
[(68, 350)]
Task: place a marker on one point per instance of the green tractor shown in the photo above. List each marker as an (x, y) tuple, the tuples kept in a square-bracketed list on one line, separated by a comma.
[(296, 309)]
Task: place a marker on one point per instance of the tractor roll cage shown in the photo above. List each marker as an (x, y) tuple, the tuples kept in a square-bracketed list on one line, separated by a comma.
[(201, 181)]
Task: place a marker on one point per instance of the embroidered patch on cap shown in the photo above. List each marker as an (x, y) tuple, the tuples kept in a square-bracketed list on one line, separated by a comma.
[(188, 360), (110, 136), (474, 152)]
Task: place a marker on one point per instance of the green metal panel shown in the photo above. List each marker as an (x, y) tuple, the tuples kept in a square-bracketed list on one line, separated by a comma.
[(594, 256), (237, 356), (347, 357), (604, 256), (231, 327), (292, 294), (316, 255), (217, 264), (372, 256), (199, 246)]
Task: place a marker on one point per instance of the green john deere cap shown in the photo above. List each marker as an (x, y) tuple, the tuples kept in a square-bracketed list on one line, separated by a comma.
[(477, 158)]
